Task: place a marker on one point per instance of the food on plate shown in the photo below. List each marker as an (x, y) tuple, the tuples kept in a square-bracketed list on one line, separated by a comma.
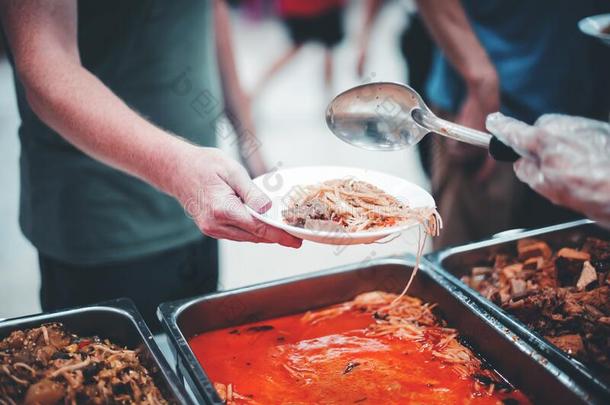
[(379, 348), (564, 294), (352, 205), (48, 365), (606, 30)]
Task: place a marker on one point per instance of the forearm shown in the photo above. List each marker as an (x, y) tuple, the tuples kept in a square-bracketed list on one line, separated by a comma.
[(449, 25), (42, 36), (213, 188), (80, 108), (235, 99)]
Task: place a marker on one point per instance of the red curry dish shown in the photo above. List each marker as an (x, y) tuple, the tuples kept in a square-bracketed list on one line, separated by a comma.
[(379, 348)]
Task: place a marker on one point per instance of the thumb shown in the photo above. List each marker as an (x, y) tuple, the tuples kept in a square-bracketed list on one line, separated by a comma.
[(528, 171), (522, 137), (238, 179)]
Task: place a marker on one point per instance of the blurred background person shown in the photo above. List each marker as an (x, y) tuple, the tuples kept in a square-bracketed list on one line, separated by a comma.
[(308, 21), (114, 203), (520, 57), (2, 50), (289, 116), (416, 48)]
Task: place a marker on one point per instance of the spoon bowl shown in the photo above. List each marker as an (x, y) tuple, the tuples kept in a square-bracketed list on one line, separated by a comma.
[(389, 116), (377, 116), (596, 26)]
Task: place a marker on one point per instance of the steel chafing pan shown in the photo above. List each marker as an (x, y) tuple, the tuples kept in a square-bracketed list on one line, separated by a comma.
[(119, 321), (512, 357), (456, 262)]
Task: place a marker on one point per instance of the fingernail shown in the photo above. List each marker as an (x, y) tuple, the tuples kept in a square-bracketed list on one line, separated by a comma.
[(260, 204), (266, 206), (493, 118)]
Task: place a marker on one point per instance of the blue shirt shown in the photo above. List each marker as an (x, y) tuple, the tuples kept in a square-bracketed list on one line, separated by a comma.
[(545, 64)]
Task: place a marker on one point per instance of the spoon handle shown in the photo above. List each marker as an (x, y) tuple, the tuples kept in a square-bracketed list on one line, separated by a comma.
[(497, 149), (502, 152)]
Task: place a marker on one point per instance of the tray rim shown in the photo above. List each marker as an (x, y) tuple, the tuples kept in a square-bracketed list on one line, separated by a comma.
[(169, 312), (123, 307), (439, 255), (571, 366)]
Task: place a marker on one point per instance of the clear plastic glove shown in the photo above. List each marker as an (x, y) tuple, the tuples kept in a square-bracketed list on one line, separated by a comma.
[(567, 159)]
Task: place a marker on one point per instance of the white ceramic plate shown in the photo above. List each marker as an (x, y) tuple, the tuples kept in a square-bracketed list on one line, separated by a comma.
[(594, 25), (279, 184)]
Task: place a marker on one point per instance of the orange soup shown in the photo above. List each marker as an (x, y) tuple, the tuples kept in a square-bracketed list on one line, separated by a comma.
[(376, 349)]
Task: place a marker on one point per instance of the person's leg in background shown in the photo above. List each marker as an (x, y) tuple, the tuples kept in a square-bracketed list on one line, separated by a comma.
[(474, 199), (417, 48), (177, 273), (328, 68), (275, 68), (2, 50), (328, 29), (471, 209), (325, 27)]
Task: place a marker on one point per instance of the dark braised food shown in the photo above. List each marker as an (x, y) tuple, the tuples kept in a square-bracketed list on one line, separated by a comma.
[(564, 295), (48, 365), (606, 30)]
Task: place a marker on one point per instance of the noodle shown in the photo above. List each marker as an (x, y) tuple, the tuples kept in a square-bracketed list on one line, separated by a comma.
[(49, 365), (406, 317), (376, 349), (354, 205)]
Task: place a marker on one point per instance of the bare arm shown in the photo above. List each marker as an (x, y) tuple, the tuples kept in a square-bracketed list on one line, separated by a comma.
[(451, 30), (449, 25), (236, 101), (72, 101)]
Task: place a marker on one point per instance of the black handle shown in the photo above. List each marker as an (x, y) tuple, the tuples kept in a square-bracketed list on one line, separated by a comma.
[(501, 152)]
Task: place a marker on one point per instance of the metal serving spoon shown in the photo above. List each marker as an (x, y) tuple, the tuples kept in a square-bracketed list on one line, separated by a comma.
[(392, 116)]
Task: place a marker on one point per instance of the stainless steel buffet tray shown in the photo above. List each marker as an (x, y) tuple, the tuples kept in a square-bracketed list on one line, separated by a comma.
[(453, 263), (512, 357), (120, 322)]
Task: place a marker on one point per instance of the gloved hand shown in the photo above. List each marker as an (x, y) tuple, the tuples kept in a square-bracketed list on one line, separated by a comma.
[(566, 159)]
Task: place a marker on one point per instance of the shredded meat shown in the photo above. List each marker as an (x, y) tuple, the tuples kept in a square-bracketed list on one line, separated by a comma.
[(563, 295), (315, 209), (47, 366), (349, 205)]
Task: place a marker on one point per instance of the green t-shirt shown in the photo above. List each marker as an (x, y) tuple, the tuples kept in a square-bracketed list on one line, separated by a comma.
[(159, 57)]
